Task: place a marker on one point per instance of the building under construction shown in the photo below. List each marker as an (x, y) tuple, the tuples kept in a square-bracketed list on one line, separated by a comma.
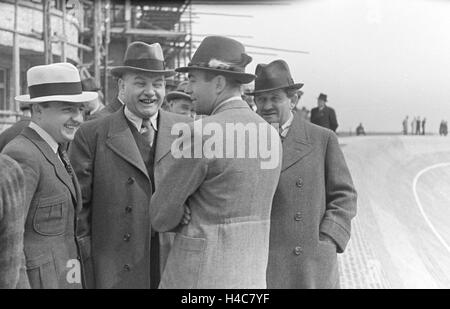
[(90, 34)]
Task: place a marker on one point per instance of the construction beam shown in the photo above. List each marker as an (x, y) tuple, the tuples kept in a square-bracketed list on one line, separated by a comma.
[(148, 32), (97, 39), (47, 31), (16, 55)]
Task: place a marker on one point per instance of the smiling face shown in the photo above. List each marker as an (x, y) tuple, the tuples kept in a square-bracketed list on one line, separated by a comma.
[(274, 106), (143, 94), (59, 119)]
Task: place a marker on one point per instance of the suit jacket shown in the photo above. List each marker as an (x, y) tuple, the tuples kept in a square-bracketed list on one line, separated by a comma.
[(55, 239), (12, 201), (10, 133), (225, 245), (108, 110), (315, 195), (325, 118), (116, 189)]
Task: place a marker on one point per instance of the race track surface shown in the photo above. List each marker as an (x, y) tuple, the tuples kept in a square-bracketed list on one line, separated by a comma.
[(401, 235)]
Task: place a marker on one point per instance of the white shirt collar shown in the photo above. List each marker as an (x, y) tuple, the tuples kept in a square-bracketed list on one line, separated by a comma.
[(120, 100), (45, 136), (285, 127), (137, 121)]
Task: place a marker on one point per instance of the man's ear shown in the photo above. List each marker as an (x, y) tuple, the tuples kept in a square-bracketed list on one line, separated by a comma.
[(220, 83), (121, 85), (293, 101)]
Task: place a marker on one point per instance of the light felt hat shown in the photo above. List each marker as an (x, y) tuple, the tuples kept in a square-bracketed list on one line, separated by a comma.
[(55, 82)]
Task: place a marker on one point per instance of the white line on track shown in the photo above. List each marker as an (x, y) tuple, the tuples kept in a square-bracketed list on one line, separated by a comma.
[(416, 196)]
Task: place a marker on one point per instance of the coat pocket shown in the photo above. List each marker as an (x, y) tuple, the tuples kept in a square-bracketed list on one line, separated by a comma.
[(50, 215), (41, 272), (184, 263)]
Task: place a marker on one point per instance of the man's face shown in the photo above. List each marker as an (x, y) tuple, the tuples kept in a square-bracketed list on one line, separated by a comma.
[(320, 103), (143, 94), (182, 106), (60, 119), (202, 92), (273, 106)]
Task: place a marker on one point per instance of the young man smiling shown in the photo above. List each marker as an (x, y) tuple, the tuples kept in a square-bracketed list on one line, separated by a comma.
[(315, 199), (57, 235), (118, 159)]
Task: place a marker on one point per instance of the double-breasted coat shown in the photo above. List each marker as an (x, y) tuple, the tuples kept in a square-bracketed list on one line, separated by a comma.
[(116, 188), (56, 234), (225, 244), (315, 195)]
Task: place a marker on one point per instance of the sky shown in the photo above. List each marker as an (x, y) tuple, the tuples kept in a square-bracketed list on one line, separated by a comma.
[(377, 60)]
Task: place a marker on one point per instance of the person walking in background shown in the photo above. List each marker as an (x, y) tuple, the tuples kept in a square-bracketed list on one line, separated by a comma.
[(417, 125), (405, 126), (413, 125), (424, 120), (12, 218), (360, 130), (324, 116)]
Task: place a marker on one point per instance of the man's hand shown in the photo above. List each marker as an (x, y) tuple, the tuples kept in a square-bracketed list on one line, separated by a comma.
[(186, 216)]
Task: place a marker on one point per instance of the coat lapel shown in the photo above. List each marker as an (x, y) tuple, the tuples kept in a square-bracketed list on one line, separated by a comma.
[(51, 157), (121, 141), (296, 145)]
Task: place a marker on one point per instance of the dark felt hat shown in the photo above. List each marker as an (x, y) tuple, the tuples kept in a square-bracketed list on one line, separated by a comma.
[(322, 97), (179, 93), (273, 76), (144, 58), (222, 55)]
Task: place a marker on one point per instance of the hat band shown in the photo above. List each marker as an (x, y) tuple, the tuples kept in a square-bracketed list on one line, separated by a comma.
[(231, 68), (146, 64), (268, 83), (49, 89)]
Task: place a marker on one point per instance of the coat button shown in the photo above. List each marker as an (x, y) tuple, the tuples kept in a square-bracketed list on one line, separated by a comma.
[(299, 183), (126, 237), (298, 216), (128, 209), (298, 250), (130, 180), (126, 267)]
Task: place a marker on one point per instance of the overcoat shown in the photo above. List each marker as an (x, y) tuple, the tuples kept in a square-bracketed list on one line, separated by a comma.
[(116, 189), (226, 243), (325, 117), (315, 195)]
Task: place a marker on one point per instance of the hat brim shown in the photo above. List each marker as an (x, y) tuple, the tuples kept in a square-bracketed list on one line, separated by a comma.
[(243, 78), (118, 71), (177, 95), (85, 96), (294, 86)]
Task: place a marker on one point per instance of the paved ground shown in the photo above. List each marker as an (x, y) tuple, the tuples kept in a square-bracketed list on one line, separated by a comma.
[(401, 235)]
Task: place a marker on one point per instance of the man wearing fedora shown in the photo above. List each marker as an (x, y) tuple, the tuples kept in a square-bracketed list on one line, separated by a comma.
[(57, 235), (118, 161), (324, 116), (315, 199), (179, 102), (226, 242)]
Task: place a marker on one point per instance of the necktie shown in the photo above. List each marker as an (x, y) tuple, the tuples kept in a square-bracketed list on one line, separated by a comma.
[(147, 131), (65, 159)]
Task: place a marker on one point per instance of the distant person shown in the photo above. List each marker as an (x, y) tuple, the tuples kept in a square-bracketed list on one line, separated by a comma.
[(179, 102), (95, 106), (405, 126), (360, 130), (323, 115), (418, 125), (304, 113), (424, 120), (443, 128), (10, 133)]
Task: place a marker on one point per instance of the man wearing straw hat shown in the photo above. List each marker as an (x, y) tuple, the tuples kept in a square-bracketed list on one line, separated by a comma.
[(225, 244), (57, 235), (315, 199), (118, 161)]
